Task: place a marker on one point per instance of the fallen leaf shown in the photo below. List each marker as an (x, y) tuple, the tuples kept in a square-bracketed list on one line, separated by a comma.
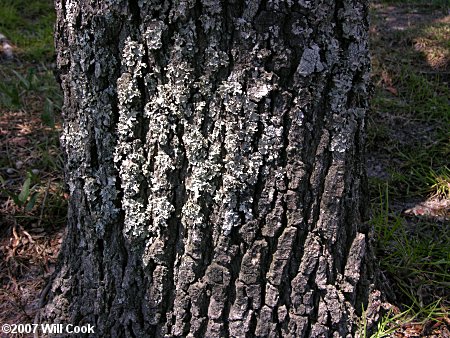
[(392, 90)]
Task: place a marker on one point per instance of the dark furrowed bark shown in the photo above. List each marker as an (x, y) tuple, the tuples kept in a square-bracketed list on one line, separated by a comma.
[(214, 161)]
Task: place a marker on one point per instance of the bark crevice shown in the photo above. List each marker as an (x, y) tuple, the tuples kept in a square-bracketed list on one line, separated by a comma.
[(217, 184)]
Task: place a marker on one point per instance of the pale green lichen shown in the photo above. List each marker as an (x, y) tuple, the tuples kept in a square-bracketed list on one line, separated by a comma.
[(153, 34), (129, 156)]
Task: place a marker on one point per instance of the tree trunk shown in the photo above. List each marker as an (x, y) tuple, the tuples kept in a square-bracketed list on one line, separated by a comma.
[(215, 167)]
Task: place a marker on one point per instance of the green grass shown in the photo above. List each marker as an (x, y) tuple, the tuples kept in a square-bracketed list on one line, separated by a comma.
[(408, 129), (28, 83), (414, 256), (29, 89), (28, 24), (439, 182), (412, 93), (395, 319)]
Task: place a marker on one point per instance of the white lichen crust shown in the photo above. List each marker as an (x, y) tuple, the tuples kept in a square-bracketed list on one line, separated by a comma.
[(214, 160)]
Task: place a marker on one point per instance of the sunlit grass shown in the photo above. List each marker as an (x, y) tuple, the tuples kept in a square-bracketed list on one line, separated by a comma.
[(409, 128), (395, 319), (412, 94), (414, 256)]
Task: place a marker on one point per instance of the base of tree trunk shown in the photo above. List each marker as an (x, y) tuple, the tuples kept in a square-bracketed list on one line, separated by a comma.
[(215, 168)]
